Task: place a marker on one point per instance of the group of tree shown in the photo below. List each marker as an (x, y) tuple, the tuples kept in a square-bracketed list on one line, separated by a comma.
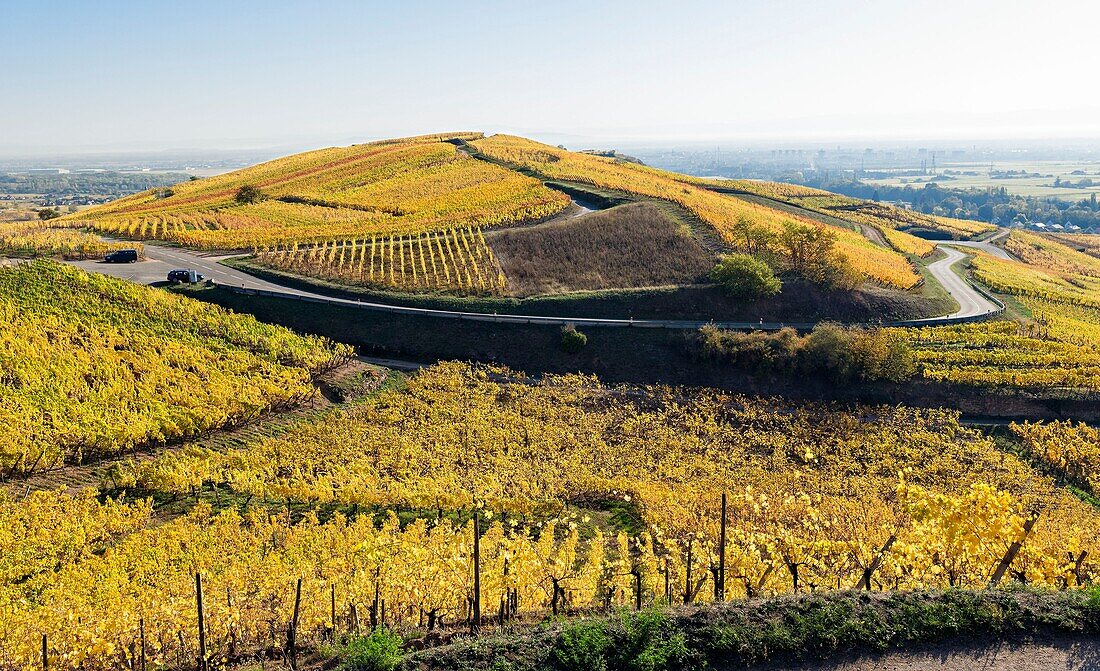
[(830, 351), (98, 183), (976, 204), (799, 250)]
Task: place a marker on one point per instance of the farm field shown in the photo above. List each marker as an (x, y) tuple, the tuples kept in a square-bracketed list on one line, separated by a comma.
[(371, 506), (1034, 178), (455, 260), (1089, 244), (888, 220), (583, 497), (433, 184), (1056, 342)]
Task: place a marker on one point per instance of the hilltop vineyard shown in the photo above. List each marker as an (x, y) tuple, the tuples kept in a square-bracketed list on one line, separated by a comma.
[(456, 260), (387, 188)]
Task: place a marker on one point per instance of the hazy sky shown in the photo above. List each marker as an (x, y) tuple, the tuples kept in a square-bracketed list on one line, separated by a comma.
[(156, 74)]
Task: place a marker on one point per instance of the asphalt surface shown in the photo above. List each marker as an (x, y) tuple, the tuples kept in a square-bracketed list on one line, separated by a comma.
[(986, 245), (160, 259), (971, 302)]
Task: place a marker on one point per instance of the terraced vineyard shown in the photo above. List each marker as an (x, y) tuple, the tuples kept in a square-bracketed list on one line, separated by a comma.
[(33, 239), (95, 366), (887, 219), (820, 498), (1058, 343)]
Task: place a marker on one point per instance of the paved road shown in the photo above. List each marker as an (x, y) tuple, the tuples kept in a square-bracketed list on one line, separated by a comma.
[(972, 303), (986, 245), (162, 258)]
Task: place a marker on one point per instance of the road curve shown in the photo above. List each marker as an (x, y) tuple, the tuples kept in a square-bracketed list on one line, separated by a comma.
[(986, 245), (162, 258), (972, 303)]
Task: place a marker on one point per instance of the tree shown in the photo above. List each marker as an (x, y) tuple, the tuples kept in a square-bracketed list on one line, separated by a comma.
[(746, 277), (249, 194), (48, 213)]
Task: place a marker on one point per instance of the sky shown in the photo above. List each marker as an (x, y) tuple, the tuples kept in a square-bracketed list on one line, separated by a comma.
[(154, 75)]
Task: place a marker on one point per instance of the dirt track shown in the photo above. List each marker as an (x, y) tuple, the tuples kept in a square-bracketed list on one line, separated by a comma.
[(1064, 653)]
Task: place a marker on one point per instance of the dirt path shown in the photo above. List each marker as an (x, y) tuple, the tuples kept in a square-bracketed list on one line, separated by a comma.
[(874, 235), (1066, 653)]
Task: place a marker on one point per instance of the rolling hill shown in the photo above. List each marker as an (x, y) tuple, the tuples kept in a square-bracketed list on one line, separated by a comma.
[(418, 214)]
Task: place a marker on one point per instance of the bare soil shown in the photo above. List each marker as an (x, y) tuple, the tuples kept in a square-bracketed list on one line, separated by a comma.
[(1070, 653)]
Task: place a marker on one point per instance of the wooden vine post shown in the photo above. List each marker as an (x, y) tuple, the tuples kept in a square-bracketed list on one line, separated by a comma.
[(202, 622), (292, 630), (141, 630), (1013, 550), (720, 588), (332, 593), (475, 616), (688, 596), (45, 655)]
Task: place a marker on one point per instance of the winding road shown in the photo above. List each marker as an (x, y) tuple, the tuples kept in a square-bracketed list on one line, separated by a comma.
[(986, 245), (973, 304)]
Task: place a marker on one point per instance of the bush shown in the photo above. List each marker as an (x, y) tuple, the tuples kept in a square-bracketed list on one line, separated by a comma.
[(249, 194), (830, 351), (642, 641), (582, 646), (647, 641), (746, 277), (48, 213), (379, 651), (572, 340)]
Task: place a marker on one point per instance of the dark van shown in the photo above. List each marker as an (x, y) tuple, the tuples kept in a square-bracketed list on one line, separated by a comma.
[(181, 276), (122, 256)]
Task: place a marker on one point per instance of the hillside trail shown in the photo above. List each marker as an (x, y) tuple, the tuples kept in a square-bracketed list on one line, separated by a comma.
[(1066, 653)]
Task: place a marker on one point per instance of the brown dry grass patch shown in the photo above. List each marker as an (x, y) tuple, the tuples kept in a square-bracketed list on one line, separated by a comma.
[(625, 247)]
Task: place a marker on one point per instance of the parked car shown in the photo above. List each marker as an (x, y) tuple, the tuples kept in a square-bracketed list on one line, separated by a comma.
[(184, 276), (122, 256)]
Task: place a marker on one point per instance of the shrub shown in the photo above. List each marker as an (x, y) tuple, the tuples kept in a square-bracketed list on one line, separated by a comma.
[(647, 641), (48, 213), (746, 277), (831, 351), (379, 651), (572, 340), (582, 646), (249, 194)]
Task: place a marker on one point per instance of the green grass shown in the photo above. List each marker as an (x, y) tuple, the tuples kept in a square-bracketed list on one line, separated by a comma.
[(784, 630)]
